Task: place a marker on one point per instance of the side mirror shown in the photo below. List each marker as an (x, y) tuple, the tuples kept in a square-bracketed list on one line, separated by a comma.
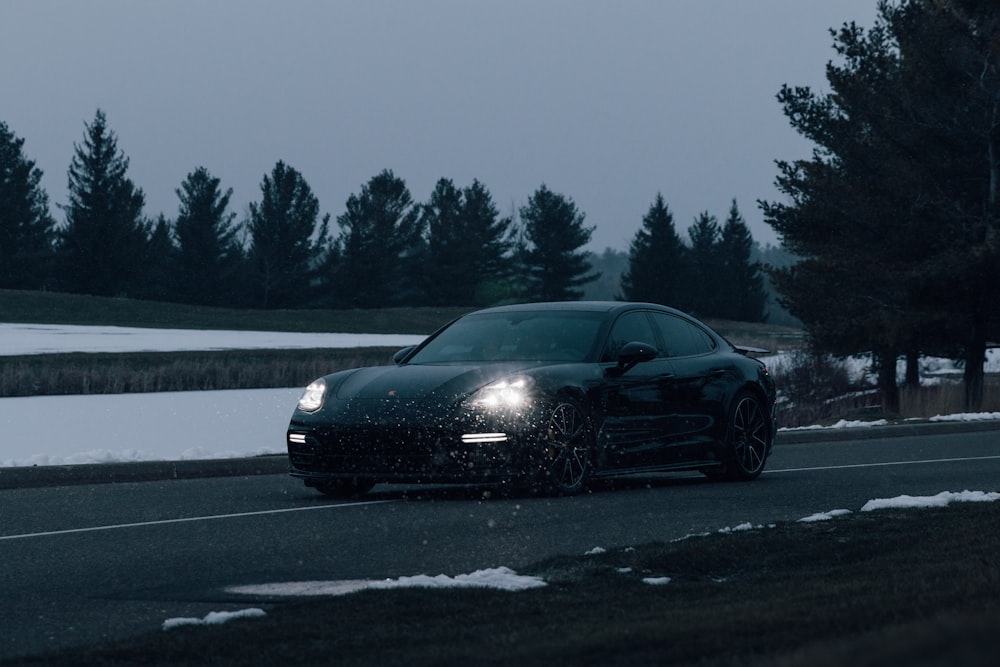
[(403, 354), (632, 354)]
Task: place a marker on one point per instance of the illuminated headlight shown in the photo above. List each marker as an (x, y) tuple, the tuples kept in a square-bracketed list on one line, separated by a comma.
[(508, 393), (312, 397)]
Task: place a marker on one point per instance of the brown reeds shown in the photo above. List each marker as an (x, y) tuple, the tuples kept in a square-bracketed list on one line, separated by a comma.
[(63, 374)]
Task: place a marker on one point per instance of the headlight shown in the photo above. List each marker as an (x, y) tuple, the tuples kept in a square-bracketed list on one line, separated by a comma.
[(508, 393), (312, 397)]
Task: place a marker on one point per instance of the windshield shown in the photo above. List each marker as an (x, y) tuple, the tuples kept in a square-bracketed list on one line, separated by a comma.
[(561, 336)]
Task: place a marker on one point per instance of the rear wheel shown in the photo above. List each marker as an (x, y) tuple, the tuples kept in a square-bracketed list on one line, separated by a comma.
[(565, 446), (749, 438), (345, 488)]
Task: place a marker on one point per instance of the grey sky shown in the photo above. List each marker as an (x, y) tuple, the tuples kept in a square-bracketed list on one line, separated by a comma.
[(608, 103)]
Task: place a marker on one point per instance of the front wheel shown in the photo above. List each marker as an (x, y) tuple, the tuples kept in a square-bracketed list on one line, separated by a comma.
[(565, 448), (749, 438)]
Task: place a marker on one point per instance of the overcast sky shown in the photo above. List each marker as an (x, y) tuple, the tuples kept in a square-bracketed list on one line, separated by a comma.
[(607, 103)]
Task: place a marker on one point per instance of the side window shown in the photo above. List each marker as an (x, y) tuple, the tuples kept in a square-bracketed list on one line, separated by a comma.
[(681, 337), (628, 328)]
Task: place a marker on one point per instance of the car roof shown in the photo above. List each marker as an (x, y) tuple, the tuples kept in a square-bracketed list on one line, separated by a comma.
[(577, 306)]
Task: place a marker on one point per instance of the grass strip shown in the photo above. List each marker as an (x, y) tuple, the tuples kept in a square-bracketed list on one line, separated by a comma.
[(913, 587), (58, 308)]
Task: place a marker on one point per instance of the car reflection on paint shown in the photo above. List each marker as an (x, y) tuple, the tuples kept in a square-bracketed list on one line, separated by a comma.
[(542, 395)]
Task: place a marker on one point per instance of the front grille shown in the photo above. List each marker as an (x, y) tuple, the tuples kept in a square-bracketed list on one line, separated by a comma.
[(394, 452)]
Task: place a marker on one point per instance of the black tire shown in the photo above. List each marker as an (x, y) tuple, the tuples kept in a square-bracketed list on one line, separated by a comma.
[(345, 488), (748, 438), (565, 449)]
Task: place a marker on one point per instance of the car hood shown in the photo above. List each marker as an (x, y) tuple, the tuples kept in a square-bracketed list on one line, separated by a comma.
[(420, 382)]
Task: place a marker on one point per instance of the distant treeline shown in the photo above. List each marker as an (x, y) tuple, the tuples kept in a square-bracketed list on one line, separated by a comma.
[(388, 250)]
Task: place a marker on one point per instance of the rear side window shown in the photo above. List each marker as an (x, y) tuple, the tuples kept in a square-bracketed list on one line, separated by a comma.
[(682, 338)]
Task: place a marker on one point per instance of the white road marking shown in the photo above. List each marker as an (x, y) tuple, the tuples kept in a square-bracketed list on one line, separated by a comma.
[(887, 463), (213, 517), (91, 529)]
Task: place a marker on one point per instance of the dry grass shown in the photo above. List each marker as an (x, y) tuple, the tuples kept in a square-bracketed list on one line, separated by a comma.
[(919, 403), (946, 398), (819, 389), (65, 374)]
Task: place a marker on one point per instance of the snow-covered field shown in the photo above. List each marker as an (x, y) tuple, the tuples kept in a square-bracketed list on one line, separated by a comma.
[(17, 339), (57, 430), (105, 428)]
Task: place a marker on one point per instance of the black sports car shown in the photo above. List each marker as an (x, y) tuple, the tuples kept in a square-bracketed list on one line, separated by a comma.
[(544, 394)]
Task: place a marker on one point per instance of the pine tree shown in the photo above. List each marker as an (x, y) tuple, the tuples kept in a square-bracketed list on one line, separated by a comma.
[(846, 214), (26, 226), (102, 248), (949, 102), (896, 211), (741, 296), (159, 271), (447, 275), (208, 256), (555, 233), (468, 246), (287, 240), (703, 266), (657, 260), (380, 248)]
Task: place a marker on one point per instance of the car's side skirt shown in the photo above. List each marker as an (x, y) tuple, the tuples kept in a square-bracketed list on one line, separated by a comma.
[(706, 464)]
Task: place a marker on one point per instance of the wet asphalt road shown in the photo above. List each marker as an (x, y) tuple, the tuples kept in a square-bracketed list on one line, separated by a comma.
[(83, 563)]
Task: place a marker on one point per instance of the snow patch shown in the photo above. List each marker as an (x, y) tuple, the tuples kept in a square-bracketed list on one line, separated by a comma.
[(213, 618), (843, 423), (656, 581), (741, 527), (501, 578), (940, 500), (824, 516), (966, 417)]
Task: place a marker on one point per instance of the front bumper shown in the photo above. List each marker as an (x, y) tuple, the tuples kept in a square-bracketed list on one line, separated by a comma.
[(397, 455), (462, 447)]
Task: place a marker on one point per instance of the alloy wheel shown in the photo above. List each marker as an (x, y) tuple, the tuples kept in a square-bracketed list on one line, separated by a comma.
[(749, 438), (566, 446)]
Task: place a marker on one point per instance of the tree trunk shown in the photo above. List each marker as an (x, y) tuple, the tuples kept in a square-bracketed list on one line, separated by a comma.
[(912, 369), (885, 361), (992, 235), (975, 356)]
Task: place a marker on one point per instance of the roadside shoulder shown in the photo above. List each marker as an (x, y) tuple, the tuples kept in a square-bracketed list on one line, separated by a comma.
[(140, 471), (905, 429)]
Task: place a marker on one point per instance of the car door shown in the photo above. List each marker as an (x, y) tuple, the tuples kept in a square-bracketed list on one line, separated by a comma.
[(698, 386), (636, 403)]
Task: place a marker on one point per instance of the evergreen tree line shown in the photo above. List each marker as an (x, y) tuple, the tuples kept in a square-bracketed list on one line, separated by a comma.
[(456, 249), (714, 276), (896, 215)]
